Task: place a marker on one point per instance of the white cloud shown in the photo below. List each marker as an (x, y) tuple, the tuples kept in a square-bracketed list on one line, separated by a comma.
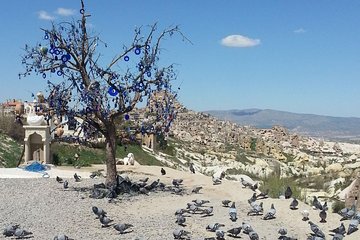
[(65, 12), (45, 15), (239, 41), (300, 30)]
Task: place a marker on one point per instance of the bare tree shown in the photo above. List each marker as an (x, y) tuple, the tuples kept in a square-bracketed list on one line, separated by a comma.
[(83, 87)]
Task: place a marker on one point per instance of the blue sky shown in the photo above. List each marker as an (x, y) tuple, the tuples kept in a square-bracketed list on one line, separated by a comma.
[(297, 56)]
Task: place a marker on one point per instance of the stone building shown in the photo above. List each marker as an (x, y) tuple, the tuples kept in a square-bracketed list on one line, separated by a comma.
[(353, 195)]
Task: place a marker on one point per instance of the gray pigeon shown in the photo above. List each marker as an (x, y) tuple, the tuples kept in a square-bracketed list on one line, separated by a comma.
[(316, 203), (340, 230), (349, 214), (200, 202), (98, 211), (338, 236), (180, 233), (66, 184), (191, 167), (62, 237), (353, 226), (163, 172), (214, 226), (226, 202), (180, 219), (10, 230), (208, 211), (122, 227), (181, 211), (288, 193), (253, 198), (282, 231), (196, 189), (177, 182), (21, 233), (316, 230), (216, 180), (294, 204), (256, 209), (220, 234), (144, 179), (323, 216), (233, 212), (246, 228), (271, 213), (77, 178), (253, 235), (59, 179), (105, 221), (235, 231), (263, 194)]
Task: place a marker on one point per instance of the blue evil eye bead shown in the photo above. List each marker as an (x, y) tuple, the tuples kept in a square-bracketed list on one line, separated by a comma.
[(127, 117), (65, 58), (52, 70), (46, 37), (44, 75), (82, 11), (148, 74), (57, 52), (59, 73), (126, 58), (112, 92), (52, 50), (147, 47), (137, 51)]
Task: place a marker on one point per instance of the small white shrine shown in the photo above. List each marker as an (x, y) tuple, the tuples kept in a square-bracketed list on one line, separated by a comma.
[(37, 134)]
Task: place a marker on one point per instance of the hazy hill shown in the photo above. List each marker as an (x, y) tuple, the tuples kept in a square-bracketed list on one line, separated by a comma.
[(305, 124)]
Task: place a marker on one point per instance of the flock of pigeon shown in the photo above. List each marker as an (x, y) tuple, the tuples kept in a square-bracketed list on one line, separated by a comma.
[(204, 209)]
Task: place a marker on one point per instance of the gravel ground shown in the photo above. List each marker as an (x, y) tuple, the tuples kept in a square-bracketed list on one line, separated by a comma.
[(43, 207)]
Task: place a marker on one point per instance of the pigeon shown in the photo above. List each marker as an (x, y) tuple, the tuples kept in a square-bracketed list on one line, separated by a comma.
[(288, 193), (66, 184), (340, 230), (77, 178), (246, 228), (271, 213), (253, 235), (256, 209), (122, 227), (313, 237), (216, 180), (105, 221), (325, 206), (59, 179), (208, 211), (349, 214), (10, 230), (177, 182), (193, 208), (144, 191), (21, 233), (153, 185), (282, 231), (253, 198), (180, 219), (316, 230), (233, 212), (305, 213), (144, 179), (353, 226), (263, 194), (226, 202), (222, 175), (294, 203), (338, 236), (181, 211), (323, 216), (180, 233), (220, 234), (163, 172), (62, 237), (196, 189), (316, 203), (254, 186), (235, 231), (214, 226), (191, 167), (200, 202), (98, 211)]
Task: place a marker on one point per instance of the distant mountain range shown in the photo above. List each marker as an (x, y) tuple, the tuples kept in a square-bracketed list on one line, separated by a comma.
[(305, 124)]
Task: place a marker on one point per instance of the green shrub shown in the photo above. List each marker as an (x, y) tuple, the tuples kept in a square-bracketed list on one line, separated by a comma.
[(337, 206), (277, 186)]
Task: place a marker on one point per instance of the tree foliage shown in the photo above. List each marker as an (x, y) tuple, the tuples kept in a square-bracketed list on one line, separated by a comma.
[(82, 86)]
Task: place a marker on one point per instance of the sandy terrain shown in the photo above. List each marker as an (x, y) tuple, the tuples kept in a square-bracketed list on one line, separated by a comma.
[(42, 206)]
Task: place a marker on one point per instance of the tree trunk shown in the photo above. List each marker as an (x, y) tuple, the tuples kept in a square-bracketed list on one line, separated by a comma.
[(110, 155)]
